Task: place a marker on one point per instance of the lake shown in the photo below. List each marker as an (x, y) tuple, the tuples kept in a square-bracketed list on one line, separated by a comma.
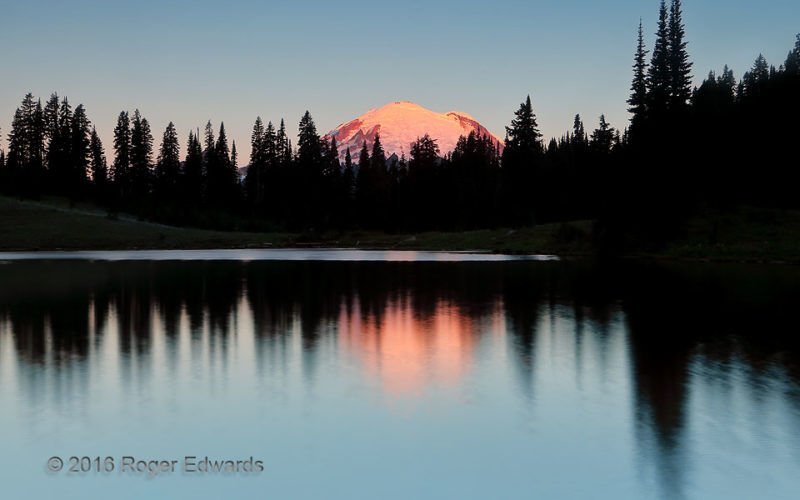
[(386, 375)]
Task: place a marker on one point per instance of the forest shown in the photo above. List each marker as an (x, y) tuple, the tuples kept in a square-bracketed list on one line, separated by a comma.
[(686, 149)]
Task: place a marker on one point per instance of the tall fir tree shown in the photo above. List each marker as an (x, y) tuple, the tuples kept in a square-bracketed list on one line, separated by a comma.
[(680, 83), (222, 186), (193, 177), (269, 148), (638, 98), (603, 138), (523, 133), (254, 182), (15, 161), (309, 167), (658, 74), (792, 64), (283, 148), (122, 154), (53, 137), (168, 166), (579, 132), (25, 162), (98, 165), (378, 157), (348, 174), (363, 186), (522, 161), (309, 151), (80, 152), (332, 166), (141, 156)]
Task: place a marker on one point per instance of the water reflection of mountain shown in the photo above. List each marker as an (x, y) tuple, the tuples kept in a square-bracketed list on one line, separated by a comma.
[(686, 328)]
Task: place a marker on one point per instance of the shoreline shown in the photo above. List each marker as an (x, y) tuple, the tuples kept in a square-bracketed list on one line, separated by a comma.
[(757, 236)]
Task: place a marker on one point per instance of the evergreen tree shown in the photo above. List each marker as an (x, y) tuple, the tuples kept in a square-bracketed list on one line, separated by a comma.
[(310, 172), (209, 143), (424, 154), (523, 134), (223, 180), (348, 175), (269, 148), (256, 171), (283, 148), (80, 151), (25, 162), (522, 162), (59, 154), (97, 163), (277, 195), (425, 191), (55, 148), (658, 74), (638, 98), (754, 80), (168, 166), (35, 133), (680, 84), (603, 138), (51, 112), (17, 154), (579, 132), (378, 157), (141, 156), (332, 166), (193, 175), (727, 82), (309, 152), (363, 186), (122, 154), (792, 64)]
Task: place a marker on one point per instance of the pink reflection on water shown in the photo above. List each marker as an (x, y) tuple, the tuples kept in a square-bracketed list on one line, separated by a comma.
[(409, 352)]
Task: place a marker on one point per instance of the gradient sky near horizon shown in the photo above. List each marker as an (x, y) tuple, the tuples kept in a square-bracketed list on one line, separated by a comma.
[(189, 61)]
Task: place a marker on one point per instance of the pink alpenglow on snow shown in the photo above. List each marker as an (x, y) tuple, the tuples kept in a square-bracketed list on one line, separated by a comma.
[(400, 124)]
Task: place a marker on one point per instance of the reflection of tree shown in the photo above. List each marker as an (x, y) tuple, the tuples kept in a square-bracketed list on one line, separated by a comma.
[(56, 309)]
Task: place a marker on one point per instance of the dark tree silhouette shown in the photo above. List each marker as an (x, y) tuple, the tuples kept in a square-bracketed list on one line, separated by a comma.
[(141, 157), (680, 83), (122, 155), (80, 153), (98, 166), (168, 166), (659, 75), (521, 166), (193, 178), (638, 99)]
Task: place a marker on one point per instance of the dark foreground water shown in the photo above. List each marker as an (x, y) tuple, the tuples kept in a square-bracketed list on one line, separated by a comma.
[(442, 378)]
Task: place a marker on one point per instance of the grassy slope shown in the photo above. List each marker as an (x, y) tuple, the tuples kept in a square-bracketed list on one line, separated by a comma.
[(752, 234), (747, 234), (50, 225), (28, 225)]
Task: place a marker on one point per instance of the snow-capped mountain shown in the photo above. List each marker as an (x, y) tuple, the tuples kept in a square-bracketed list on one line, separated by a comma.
[(401, 123)]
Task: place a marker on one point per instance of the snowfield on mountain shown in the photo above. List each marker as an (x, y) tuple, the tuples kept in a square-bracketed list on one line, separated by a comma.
[(400, 124)]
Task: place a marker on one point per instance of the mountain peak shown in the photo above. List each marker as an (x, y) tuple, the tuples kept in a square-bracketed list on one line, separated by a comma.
[(400, 123)]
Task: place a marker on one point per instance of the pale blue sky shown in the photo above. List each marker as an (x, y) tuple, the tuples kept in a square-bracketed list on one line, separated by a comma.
[(190, 61)]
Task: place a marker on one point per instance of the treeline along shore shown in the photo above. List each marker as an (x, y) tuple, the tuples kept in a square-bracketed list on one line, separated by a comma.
[(689, 153)]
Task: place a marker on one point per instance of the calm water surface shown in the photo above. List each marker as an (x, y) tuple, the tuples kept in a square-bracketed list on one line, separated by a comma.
[(399, 375)]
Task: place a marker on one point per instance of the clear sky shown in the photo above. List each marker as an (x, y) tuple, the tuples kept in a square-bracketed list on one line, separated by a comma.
[(189, 61)]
